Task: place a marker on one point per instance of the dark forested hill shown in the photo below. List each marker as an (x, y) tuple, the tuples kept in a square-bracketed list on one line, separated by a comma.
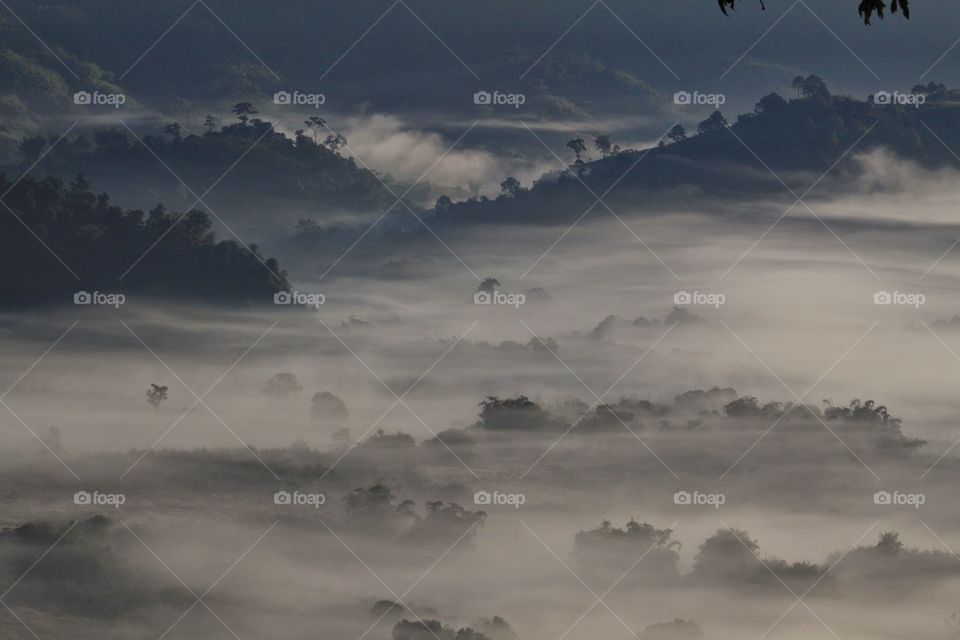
[(251, 165), (57, 239), (806, 135)]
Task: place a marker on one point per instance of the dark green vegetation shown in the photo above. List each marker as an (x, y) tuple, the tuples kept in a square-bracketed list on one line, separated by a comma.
[(98, 243)]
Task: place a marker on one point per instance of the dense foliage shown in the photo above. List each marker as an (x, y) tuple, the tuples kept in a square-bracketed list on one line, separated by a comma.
[(99, 242)]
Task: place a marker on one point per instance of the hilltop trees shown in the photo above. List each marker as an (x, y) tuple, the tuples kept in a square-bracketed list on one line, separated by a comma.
[(715, 122), (578, 146), (277, 166), (510, 187), (100, 242), (244, 110), (603, 145), (677, 133), (156, 394), (316, 124), (282, 385)]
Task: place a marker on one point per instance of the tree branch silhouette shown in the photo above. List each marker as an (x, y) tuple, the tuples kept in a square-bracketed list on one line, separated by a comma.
[(867, 8)]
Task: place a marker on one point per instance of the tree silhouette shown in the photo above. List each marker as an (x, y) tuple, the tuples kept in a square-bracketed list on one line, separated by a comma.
[(156, 394), (866, 8), (578, 146), (244, 110), (510, 187), (315, 124), (174, 130), (798, 85), (603, 145), (210, 123), (335, 142), (715, 122), (677, 134), (489, 285)]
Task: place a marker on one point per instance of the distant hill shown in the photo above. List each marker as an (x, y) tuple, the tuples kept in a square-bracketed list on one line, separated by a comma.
[(162, 254), (262, 170), (804, 135)]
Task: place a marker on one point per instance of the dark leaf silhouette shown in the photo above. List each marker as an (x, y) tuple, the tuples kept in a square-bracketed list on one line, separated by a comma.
[(867, 8)]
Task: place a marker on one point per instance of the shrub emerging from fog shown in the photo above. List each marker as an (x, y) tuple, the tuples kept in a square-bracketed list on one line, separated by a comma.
[(608, 549), (377, 509), (519, 413), (325, 404), (282, 385), (433, 630)]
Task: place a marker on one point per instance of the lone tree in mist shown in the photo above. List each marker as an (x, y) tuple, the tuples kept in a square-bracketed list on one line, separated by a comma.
[(510, 187), (866, 8), (156, 394), (282, 385), (489, 285), (603, 145), (244, 110), (578, 146), (316, 124)]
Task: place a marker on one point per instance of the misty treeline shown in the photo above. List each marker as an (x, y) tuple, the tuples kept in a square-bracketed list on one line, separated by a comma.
[(693, 411), (733, 558), (63, 238), (309, 167), (89, 573), (811, 129)]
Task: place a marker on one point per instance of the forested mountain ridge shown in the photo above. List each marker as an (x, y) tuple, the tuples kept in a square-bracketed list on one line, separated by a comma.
[(809, 134), (58, 239)]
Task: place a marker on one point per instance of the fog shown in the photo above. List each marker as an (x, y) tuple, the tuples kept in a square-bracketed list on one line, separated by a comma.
[(406, 350)]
